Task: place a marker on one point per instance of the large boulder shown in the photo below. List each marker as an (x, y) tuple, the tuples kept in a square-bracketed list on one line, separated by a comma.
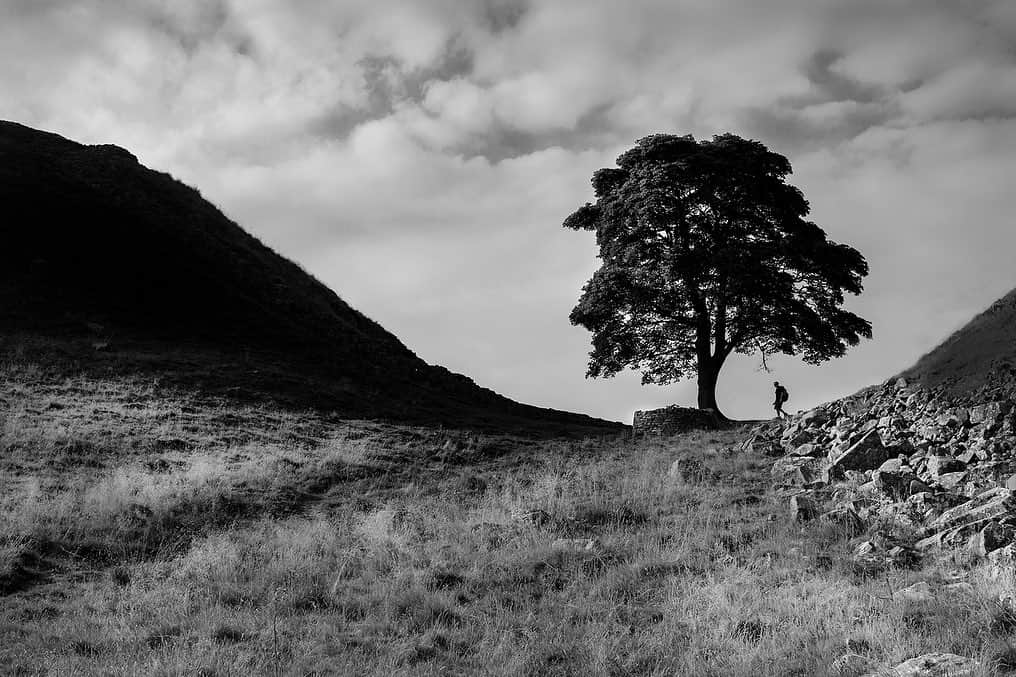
[(867, 453), (990, 538), (993, 504), (940, 465), (799, 471), (895, 485)]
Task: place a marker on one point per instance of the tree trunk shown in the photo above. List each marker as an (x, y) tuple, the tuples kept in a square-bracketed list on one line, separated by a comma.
[(708, 374)]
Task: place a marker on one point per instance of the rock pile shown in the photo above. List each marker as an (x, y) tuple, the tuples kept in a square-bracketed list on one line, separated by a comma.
[(673, 420), (936, 470)]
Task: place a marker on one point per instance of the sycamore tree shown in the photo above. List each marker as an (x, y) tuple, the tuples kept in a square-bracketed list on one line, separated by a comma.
[(705, 250)]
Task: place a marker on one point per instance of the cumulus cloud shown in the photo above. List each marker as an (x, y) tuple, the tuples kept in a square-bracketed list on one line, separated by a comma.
[(419, 155)]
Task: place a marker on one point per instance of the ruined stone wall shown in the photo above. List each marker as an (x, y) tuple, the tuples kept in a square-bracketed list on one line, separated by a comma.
[(672, 420)]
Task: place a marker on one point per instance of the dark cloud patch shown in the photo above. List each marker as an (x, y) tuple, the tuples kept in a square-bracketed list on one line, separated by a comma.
[(23, 8), (836, 108), (499, 16), (192, 29), (593, 130), (796, 130), (389, 83), (339, 121), (830, 85)]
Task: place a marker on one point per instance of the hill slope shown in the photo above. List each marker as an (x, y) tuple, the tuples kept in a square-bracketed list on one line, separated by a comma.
[(100, 251), (981, 355)]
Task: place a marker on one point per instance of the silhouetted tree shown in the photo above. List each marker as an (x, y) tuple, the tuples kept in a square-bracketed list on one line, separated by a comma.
[(705, 251)]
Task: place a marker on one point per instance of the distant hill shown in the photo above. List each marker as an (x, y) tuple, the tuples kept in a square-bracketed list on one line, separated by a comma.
[(979, 357), (108, 266)]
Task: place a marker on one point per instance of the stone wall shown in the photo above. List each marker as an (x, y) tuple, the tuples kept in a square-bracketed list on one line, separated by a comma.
[(672, 420)]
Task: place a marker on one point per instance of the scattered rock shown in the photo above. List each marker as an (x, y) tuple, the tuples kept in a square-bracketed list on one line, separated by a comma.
[(867, 557), (896, 485), (940, 465), (904, 455), (1002, 563), (867, 453), (918, 592), (799, 471), (960, 588), (806, 449), (990, 538), (938, 665), (951, 480), (992, 504), (762, 446), (815, 417)]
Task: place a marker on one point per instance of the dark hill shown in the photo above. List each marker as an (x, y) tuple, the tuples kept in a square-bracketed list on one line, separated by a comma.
[(106, 265), (979, 357)]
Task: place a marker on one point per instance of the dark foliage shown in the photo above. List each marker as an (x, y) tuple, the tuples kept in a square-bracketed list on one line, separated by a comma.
[(96, 247), (705, 250)]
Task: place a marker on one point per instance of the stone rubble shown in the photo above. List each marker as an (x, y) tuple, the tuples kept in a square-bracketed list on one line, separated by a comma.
[(937, 468), (937, 665)]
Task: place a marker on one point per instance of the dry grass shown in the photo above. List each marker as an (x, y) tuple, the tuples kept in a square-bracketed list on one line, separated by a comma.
[(285, 554)]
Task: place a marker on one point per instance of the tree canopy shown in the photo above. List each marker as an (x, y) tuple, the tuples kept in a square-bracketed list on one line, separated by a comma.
[(705, 250)]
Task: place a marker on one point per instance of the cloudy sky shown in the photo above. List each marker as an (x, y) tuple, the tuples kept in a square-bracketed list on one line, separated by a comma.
[(419, 156)]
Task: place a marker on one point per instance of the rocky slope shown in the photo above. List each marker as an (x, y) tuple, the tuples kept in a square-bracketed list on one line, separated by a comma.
[(923, 464), (109, 266), (911, 471)]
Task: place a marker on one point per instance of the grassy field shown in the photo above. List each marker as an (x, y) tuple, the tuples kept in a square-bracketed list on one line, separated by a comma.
[(146, 532)]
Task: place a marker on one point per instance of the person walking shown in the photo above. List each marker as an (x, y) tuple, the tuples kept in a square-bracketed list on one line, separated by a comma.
[(781, 397)]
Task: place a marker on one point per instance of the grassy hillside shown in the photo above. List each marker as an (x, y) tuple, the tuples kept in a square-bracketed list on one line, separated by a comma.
[(156, 533), (109, 266), (981, 355)]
